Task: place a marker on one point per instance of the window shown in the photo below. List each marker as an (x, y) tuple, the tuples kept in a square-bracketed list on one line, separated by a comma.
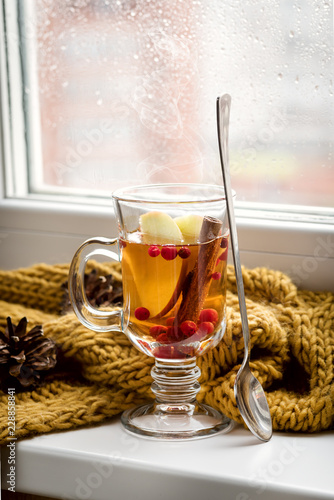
[(101, 93), (126, 90)]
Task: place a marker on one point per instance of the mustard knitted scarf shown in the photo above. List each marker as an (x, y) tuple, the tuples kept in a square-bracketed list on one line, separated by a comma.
[(102, 374)]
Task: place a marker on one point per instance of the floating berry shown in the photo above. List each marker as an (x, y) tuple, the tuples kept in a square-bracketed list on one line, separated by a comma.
[(208, 315), (163, 338), (156, 330), (169, 252), (216, 276), (184, 252), (154, 251), (223, 256), (170, 321), (205, 328), (122, 243), (224, 243), (142, 313), (188, 328)]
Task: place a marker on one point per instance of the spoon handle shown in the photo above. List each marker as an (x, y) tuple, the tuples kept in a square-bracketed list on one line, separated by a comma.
[(223, 117)]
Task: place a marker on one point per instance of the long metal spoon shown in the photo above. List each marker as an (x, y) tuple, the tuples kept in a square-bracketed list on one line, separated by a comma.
[(249, 394)]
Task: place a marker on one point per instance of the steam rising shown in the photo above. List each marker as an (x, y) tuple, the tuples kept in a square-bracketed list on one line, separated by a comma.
[(158, 98)]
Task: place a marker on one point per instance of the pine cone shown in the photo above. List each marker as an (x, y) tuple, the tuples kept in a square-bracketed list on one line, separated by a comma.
[(24, 356), (101, 291)]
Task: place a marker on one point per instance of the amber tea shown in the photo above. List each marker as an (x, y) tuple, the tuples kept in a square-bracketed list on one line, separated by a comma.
[(174, 294)]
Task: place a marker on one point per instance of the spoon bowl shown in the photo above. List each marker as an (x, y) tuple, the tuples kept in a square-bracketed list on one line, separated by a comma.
[(252, 403), (249, 394)]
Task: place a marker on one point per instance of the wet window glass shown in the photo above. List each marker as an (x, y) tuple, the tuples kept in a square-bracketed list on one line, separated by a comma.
[(124, 92)]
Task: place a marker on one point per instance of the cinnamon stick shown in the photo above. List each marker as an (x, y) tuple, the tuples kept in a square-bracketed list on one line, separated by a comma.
[(197, 282)]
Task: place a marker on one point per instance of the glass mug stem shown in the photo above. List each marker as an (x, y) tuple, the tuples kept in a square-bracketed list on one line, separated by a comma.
[(175, 383), (175, 414)]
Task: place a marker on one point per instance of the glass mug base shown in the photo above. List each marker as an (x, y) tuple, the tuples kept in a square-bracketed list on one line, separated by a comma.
[(175, 414), (178, 422)]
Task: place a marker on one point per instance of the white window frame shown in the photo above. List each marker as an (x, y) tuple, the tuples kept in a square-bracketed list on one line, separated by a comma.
[(44, 228)]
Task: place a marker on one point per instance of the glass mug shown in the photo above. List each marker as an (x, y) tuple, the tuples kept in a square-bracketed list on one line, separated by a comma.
[(172, 244)]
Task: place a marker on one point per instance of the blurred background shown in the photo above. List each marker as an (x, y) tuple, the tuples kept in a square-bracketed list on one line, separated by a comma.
[(127, 92)]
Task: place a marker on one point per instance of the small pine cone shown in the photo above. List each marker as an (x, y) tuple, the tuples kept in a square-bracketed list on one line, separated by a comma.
[(24, 356), (101, 291)]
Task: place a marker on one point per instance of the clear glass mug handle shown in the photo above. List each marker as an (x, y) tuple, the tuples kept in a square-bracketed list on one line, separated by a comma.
[(89, 316)]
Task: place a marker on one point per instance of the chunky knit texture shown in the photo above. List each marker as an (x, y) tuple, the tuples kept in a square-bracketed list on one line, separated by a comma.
[(292, 337)]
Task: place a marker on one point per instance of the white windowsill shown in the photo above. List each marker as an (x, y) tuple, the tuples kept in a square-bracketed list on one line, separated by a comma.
[(106, 463)]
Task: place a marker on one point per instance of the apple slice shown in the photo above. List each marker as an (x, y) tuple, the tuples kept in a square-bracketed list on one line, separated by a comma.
[(190, 226), (153, 283), (159, 228)]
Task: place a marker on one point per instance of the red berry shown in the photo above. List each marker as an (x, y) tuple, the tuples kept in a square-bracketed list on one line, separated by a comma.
[(184, 252), (154, 251), (208, 315), (223, 256), (156, 330), (188, 328), (142, 313), (170, 321), (216, 276), (224, 243), (169, 252), (122, 243), (163, 338), (205, 328)]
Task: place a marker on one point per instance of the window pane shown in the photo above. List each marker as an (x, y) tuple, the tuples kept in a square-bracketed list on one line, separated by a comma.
[(127, 92)]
